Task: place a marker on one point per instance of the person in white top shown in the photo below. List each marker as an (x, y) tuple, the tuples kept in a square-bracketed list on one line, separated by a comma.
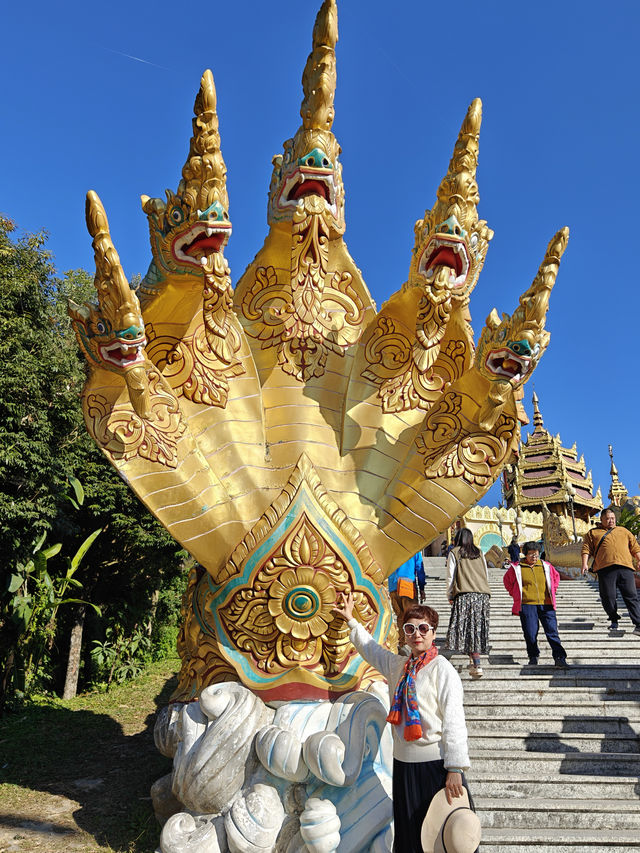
[(427, 715)]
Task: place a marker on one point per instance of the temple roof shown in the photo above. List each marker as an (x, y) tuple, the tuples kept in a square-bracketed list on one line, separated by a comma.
[(547, 472)]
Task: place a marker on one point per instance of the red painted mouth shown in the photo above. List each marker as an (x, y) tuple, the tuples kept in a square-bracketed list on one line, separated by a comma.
[(449, 252), (123, 354), (310, 187), (307, 182), (205, 244), (200, 240), (445, 257), (505, 364)]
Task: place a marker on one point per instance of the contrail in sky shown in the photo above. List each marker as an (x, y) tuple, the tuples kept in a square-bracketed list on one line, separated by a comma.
[(137, 59)]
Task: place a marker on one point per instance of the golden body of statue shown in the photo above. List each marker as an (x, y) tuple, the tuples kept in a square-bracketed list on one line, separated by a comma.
[(298, 442)]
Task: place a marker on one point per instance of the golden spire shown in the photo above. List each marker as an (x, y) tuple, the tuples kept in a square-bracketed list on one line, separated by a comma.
[(319, 86), (204, 175), (205, 172), (465, 152), (458, 191), (118, 303), (319, 75), (538, 423), (617, 491)]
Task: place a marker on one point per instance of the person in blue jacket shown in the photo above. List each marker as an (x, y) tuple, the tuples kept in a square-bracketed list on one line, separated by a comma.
[(411, 579)]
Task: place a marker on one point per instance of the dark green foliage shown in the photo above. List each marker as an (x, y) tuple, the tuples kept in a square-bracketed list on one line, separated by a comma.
[(38, 394), (48, 462)]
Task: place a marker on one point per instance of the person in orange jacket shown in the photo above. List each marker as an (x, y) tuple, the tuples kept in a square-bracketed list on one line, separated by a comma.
[(614, 550)]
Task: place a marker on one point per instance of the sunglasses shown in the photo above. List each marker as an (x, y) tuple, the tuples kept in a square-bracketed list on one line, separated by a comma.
[(423, 628)]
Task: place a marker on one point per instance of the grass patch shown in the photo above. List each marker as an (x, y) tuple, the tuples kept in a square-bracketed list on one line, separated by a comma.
[(75, 775)]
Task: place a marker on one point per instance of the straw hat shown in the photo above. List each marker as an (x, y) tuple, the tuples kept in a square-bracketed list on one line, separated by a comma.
[(451, 828)]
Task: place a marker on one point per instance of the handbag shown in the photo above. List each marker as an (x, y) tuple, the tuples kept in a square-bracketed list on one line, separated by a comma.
[(405, 588)]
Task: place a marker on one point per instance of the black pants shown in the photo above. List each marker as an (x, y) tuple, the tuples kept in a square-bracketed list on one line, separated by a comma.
[(414, 786), (615, 577)]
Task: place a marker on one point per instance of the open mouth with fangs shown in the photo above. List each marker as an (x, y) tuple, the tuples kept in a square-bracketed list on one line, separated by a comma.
[(505, 363), (304, 182), (124, 353), (442, 251), (201, 240)]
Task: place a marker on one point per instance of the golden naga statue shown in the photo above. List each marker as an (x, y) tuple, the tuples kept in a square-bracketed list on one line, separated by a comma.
[(295, 440)]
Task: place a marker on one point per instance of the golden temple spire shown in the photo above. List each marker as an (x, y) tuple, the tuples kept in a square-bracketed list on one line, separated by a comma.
[(319, 75), (538, 423), (617, 491)]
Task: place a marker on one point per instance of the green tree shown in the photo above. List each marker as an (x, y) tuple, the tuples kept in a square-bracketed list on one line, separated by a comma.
[(38, 388), (44, 445)]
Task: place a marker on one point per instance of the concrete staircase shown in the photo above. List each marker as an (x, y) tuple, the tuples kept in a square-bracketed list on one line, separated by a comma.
[(555, 753)]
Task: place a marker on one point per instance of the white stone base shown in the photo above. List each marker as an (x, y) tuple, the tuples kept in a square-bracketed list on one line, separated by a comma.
[(308, 776)]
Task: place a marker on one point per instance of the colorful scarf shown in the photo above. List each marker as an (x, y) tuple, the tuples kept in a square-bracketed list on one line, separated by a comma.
[(405, 696)]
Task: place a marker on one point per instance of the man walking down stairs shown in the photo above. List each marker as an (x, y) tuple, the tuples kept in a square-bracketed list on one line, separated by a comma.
[(555, 753)]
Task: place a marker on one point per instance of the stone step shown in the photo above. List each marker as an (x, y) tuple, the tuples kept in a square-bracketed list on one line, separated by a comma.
[(485, 692), (516, 678), (556, 814), (504, 622), (559, 841), (552, 742), (524, 787), (575, 631), (510, 678), (546, 705), (565, 764), (560, 724), (515, 655)]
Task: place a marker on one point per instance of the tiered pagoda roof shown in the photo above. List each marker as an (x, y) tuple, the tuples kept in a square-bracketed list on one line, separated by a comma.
[(549, 473)]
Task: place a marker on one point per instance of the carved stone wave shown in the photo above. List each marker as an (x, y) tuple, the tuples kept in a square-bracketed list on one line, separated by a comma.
[(247, 779)]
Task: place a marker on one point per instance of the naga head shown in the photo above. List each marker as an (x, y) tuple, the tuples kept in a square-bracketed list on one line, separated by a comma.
[(309, 165), (192, 225), (111, 332), (450, 235), (510, 348)]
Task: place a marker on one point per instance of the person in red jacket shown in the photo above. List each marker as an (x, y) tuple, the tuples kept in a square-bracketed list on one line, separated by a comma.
[(532, 584)]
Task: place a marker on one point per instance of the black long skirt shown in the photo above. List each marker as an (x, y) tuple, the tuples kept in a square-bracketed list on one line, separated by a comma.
[(414, 786)]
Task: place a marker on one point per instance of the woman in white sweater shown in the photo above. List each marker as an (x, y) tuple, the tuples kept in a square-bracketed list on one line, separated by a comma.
[(427, 715)]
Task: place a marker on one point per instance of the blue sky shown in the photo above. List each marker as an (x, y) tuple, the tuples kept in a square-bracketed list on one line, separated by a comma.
[(101, 98)]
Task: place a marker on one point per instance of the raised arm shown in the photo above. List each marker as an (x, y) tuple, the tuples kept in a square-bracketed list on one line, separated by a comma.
[(386, 662)]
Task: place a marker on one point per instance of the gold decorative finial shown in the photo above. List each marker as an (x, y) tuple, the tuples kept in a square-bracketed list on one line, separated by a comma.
[(205, 172), (532, 310), (538, 423), (204, 175), (319, 75), (617, 491), (118, 303), (458, 191)]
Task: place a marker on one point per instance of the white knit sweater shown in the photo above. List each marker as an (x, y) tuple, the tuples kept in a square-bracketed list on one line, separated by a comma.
[(440, 703)]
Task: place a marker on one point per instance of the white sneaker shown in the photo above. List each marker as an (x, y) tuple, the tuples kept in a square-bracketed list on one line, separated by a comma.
[(475, 671)]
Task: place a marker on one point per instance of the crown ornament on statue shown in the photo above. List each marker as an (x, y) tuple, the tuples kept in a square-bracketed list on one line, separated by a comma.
[(295, 440)]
